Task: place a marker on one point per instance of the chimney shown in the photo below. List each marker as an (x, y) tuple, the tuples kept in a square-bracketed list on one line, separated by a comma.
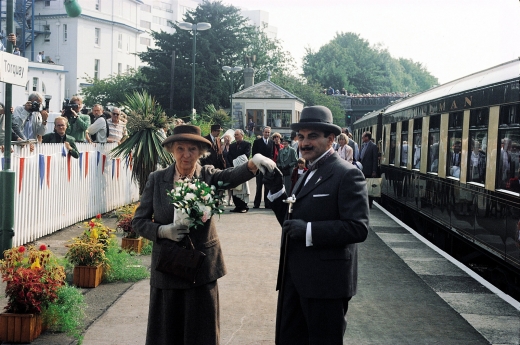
[(249, 77)]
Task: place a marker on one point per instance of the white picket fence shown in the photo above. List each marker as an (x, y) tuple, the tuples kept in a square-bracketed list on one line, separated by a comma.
[(53, 190)]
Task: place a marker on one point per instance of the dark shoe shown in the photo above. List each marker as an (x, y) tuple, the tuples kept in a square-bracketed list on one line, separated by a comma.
[(244, 210), (234, 210)]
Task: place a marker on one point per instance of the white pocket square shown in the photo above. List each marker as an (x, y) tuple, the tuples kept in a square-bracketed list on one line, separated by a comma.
[(320, 195)]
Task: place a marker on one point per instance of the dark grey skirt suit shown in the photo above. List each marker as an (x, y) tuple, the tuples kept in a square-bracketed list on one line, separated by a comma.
[(180, 312)]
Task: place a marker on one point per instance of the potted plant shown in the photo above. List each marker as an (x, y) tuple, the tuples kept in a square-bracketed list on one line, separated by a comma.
[(96, 229), (87, 255), (131, 241), (33, 278)]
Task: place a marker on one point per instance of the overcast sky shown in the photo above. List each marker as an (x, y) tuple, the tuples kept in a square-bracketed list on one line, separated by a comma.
[(451, 38)]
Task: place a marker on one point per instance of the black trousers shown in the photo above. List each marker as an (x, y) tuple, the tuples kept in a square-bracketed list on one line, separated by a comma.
[(258, 195), (239, 203), (309, 321)]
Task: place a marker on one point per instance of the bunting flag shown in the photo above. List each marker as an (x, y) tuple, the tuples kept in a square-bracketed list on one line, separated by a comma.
[(113, 166), (80, 163), (118, 164), (86, 163), (103, 164), (41, 168), (68, 166), (20, 175), (48, 170), (98, 156), (63, 152)]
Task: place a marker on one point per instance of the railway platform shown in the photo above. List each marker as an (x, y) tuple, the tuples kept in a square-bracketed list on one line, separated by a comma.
[(408, 293)]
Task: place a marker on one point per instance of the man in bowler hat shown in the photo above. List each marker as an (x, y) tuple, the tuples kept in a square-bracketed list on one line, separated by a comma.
[(215, 157), (317, 274)]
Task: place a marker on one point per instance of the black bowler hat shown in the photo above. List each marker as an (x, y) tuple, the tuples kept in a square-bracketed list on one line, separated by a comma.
[(216, 128), (316, 117), (186, 133)]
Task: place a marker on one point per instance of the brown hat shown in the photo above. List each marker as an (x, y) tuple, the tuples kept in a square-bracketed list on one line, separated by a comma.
[(318, 117), (216, 128), (186, 133)]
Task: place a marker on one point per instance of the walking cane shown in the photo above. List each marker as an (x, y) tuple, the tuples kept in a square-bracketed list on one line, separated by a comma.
[(290, 200)]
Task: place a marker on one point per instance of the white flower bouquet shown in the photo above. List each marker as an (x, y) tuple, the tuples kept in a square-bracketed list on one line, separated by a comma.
[(195, 202)]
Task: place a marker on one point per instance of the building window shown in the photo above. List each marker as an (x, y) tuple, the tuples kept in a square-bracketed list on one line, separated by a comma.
[(35, 84), (119, 68), (120, 41), (146, 41), (97, 36), (98, 5), (146, 24), (146, 8), (65, 36), (96, 69), (279, 118), (47, 3)]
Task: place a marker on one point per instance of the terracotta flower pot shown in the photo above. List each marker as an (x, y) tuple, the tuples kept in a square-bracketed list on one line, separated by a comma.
[(132, 244), (20, 328), (87, 276)]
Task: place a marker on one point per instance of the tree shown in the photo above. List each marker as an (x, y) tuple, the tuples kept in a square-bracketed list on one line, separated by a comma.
[(349, 62), (112, 90), (145, 119), (311, 94), (229, 38)]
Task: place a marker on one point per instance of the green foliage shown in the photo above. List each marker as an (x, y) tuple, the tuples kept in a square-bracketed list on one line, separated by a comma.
[(145, 118), (67, 312), (214, 116), (147, 247), (112, 90), (312, 94), (349, 62), (225, 44), (124, 266)]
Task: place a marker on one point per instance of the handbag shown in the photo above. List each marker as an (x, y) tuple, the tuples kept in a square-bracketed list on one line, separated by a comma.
[(374, 187), (180, 259)]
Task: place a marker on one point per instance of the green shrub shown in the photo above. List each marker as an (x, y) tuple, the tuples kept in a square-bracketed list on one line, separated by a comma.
[(124, 266), (66, 314), (147, 247)]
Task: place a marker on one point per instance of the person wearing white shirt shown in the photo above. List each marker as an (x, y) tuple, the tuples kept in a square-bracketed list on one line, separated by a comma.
[(98, 129), (31, 118)]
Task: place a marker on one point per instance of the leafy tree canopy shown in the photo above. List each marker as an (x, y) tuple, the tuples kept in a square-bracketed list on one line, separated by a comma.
[(311, 94), (112, 90), (349, 62), (225, 44)]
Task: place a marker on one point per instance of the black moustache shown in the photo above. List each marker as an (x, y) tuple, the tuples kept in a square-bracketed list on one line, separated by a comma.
[(309, 148)]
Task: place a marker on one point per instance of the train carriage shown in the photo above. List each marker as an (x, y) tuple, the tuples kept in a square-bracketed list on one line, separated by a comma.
[(450, 159)]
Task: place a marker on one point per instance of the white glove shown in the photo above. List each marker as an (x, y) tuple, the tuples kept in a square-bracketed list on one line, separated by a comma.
[(173, 232), (263, 163)]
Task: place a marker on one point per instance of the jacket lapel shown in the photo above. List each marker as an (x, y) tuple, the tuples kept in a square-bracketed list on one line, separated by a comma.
[(325, 172)]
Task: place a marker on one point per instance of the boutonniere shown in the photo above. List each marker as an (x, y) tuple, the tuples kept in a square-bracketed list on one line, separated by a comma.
[(319, 179)]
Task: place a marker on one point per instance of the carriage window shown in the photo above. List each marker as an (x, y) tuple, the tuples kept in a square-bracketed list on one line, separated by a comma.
[(433, 144), (454, 144), (417, 137), (392, 142), (478, 122), (404, 144), (509, 142)]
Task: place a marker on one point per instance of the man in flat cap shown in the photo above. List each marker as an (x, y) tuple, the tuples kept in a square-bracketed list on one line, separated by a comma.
[(215, 157), (318, 263)]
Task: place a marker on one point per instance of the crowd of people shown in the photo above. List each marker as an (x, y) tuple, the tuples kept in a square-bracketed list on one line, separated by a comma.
[(331, 91), (29, 123)]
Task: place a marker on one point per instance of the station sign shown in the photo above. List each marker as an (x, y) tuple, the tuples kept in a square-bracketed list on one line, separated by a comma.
[(13, 69)]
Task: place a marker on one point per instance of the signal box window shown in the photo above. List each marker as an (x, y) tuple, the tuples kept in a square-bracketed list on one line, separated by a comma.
[(404, 144), (433, 144)]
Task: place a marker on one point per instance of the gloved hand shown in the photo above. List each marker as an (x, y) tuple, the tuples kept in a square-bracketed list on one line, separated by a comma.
[(295, 228), (173, 232), (263, 163), (273, 181)]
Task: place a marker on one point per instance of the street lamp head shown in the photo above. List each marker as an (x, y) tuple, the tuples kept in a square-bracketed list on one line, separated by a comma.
[(236, 69), (203, 26), (185, 26), (226, 68)]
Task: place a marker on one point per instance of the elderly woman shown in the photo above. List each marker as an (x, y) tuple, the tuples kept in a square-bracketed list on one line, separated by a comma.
[(181, 312)]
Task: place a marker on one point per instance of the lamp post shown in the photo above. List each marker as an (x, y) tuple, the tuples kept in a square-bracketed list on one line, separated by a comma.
[(232, 70), (194, 28)]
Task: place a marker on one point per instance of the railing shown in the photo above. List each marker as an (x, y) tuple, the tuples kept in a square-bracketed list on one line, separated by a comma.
[(54, 190)]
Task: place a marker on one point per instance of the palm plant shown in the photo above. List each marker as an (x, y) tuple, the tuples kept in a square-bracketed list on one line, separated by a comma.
[(145, 120)]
